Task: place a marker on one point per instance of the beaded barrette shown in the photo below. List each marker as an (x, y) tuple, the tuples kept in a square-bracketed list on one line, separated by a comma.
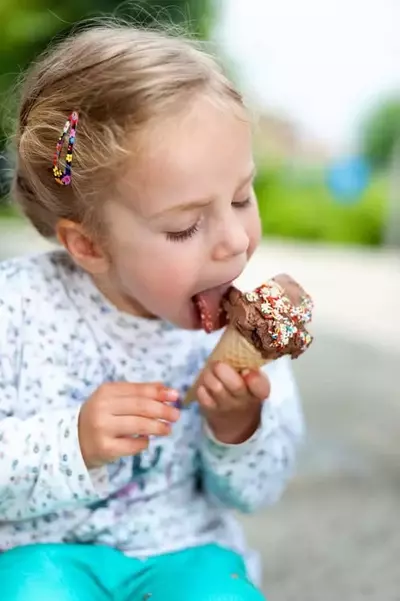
[(64, 177)]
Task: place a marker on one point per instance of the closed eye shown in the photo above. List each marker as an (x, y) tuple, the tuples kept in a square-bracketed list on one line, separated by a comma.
[(242, 204), (183, 235)]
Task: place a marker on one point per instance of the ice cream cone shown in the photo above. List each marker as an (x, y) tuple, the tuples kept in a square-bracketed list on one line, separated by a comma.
[(264, 325), (236, 351)]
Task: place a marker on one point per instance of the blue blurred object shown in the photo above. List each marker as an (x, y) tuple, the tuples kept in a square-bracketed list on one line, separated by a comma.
[(348, 178)]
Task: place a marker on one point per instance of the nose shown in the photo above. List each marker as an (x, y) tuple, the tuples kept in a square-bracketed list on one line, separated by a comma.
[(232, 239)]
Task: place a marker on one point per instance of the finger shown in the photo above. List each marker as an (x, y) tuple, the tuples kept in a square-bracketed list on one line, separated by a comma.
[(232, 381), (153, 390), (205, 399), (215, 387), (257, 383), (145, 407), (125, 447), (138, 426)]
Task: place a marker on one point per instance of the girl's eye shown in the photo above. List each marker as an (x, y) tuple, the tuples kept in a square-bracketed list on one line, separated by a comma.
[(242, 204), (184, 235)]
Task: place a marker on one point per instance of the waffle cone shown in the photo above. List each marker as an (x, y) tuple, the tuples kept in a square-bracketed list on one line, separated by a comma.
[(234, 350)]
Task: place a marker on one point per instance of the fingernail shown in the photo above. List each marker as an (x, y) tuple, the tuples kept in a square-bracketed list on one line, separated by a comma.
[(171, 395), (245, 373)]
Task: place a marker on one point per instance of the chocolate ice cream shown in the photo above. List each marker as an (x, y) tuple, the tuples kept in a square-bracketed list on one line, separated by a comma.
[(272, 318)]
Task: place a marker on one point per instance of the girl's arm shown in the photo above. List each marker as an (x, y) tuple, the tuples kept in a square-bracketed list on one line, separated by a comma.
[(41, 466), (250, 475)]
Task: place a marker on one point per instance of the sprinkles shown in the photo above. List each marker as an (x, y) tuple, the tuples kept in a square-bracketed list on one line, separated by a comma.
[(287, 320), (64, 177), (252, 297)]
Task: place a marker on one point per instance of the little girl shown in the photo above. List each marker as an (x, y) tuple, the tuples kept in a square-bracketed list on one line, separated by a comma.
[(108, 488)]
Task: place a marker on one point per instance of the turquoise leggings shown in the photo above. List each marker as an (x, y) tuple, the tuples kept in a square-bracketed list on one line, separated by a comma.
[(90, 573)]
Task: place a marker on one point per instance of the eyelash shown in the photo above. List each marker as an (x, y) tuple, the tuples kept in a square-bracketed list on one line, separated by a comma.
[(182, 236), (192, 230), (243, 204)]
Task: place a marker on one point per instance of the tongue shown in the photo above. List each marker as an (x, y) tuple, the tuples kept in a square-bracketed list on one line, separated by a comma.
[(208, 304)]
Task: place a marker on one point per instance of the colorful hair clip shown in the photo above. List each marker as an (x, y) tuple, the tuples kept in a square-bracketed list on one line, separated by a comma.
[(64, 177)]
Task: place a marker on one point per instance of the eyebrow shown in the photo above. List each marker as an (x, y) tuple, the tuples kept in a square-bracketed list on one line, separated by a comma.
[(202, 202)]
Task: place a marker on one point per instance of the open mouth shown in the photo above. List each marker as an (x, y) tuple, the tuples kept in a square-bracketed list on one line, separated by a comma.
[(209, 307)]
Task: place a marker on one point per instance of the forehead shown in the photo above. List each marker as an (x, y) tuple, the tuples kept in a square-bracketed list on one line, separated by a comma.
[(199, 153)]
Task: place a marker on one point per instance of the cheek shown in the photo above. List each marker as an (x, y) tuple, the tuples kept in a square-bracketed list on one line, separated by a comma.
[(163, 276), (159, 270)]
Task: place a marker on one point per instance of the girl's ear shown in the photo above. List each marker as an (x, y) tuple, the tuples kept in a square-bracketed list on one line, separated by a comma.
[(82, 247)]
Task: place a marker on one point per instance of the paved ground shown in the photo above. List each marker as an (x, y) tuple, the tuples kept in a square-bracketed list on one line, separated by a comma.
[(336, 533)]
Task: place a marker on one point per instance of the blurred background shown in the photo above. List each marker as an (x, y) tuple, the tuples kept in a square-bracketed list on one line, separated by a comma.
[(323, 81)]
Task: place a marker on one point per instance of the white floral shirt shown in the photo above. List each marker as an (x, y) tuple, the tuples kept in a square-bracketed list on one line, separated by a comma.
[(60, 340)]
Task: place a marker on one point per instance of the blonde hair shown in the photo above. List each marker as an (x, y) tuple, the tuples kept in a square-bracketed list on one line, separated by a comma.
[(119, 79)]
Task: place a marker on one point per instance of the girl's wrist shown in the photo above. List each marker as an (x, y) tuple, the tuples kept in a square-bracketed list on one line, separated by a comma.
[(235, 429)]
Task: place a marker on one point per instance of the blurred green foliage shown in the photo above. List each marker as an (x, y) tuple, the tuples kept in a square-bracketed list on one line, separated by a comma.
[(381, 133), (299, 207)]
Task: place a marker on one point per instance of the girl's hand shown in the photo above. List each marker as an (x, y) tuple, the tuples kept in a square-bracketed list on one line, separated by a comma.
[(231, 403), (119, 417)]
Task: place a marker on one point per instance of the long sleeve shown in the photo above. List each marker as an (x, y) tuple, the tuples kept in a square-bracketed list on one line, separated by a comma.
[(253, 474), (41, 467)]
